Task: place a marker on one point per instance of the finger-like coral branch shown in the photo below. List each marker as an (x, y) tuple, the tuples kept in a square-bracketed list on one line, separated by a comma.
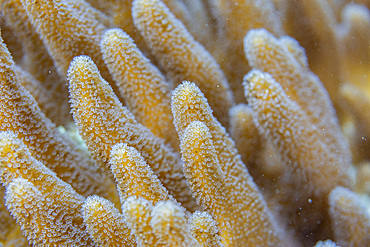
[(59, 23), (137, 212), (205, 230), (140, 84), (47, 223), (48, 202), (105, 224), (282, 120), (170, 225), (217, 194), (234, 18), (44, 71), (20, 114), (245, 133), (314, 170), (354, 36), (350, 216), (181, 56), (134, 177), (314, 28), (91, 95), (287, 66)]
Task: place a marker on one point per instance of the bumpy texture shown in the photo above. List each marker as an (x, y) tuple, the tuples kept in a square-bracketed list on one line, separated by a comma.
[(140, 84), (91, 95), (203, 145), (20, 114), (105, 224), (173, 45), (301, 131)]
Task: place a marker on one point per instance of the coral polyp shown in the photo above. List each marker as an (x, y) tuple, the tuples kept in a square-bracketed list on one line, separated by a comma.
[(184, 123)]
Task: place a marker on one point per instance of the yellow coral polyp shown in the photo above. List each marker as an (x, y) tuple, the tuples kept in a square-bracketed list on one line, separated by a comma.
[(211, 123)]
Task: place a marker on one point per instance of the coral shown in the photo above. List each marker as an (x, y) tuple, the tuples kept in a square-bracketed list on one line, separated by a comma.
[(90, 96), (105, 224), (19, 113), (234, 18), (43, 72), (350, 216), (140, 84), (327, 243), (245, 133), (217, 192), (134, 177), (205, 230), (316, 170), (184, 123), (284, 61), (46, 208), (59, 23), (172, 44), (137, 212), (170, 225)]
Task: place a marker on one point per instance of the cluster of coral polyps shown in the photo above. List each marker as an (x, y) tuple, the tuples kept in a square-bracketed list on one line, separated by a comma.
[(185, 123)]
